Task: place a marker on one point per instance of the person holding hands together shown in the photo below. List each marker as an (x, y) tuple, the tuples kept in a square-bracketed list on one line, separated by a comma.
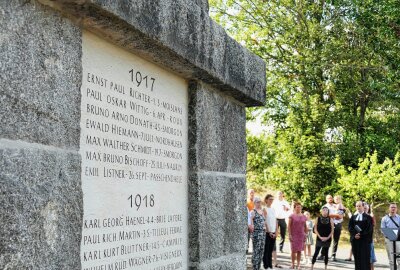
[(297, 233), (361, 229), (257, 228), (271, 232), (324, 228)]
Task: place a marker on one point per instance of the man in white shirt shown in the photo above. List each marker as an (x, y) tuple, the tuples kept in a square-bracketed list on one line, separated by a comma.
[(337, 216), (271, 232), (281, 207)]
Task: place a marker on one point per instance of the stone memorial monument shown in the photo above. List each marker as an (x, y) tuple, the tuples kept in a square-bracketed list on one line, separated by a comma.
[(122, 139)]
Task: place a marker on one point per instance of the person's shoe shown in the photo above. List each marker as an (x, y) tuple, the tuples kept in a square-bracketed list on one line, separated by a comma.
[(333, 259), (281, 250), (320, 258), (348, 260)]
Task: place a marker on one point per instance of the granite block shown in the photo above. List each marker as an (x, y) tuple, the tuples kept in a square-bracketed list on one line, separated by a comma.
[(180, 36), (41, 213), (232, 262), (40, 75), (217, 133), (218, 217)]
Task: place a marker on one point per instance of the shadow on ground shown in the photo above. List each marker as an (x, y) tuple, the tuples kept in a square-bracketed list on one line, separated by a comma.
[(284, 261)]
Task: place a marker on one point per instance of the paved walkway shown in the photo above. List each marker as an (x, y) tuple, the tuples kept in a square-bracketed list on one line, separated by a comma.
[(340, 264)]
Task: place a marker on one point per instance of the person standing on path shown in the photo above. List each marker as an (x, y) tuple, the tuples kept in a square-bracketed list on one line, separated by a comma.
[(281, 207), (271, 232), (257, 228), (368, 211), (250, 207), (324, 229), (391, 220), (297, 234), (337, 216), (361, 229), (310, 239)]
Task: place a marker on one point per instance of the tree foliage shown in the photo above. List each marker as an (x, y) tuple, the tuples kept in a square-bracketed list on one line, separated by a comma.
[(372, 181), (332, 87)]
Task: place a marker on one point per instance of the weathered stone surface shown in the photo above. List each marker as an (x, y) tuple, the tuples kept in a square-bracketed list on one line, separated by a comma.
[(231, 262), (40, 191), (218, 218), (41, 209), (40, 75), (179, 35), (202, 4), (217, 136)]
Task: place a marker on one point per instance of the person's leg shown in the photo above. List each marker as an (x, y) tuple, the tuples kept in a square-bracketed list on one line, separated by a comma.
[(257, 248), (357, 247), (271, 250), (336, 236), (389, 250), (265, 255), (316, 252), (324, 252), (248, 240), (350, 255), (282, 229), (262, 245), (366, 255), (298, 258), (293, 257), (373, 257), (275, 261), (267, 259), (398, 250)]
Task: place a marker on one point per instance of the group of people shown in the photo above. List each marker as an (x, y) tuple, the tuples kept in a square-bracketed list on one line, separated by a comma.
[(266, 223)]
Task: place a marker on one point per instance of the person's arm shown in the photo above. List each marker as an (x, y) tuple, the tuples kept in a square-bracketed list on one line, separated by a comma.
[(290, 228), (265, 213), (332, 230), (383, 223), (276, 228), (305, 228), (286, 206), (315, 227), (336, 215), (252, 215)]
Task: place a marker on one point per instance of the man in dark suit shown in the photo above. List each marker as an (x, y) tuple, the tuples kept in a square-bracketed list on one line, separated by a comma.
[(361, 229)]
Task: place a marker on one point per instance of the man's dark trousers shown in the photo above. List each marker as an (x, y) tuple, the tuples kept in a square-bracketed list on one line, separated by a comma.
[(268, 248), (282, 229), (336, 236)]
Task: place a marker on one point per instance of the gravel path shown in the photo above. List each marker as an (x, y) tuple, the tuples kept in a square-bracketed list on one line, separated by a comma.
[(340, 264)]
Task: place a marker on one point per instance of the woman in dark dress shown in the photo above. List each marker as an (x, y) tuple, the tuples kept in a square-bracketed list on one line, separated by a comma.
[(360, 228), (324, 230)]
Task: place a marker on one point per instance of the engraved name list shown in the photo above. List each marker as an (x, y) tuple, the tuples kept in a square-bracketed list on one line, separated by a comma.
[(134, 161)]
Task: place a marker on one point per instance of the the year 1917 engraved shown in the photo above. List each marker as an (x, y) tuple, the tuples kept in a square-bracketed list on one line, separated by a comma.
[(139, 78)]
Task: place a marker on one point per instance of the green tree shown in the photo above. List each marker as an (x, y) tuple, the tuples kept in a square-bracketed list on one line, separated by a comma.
[(332, 87), (372, 181)]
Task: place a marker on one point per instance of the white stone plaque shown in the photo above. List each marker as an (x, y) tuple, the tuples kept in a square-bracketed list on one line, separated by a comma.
[(134, 145)]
